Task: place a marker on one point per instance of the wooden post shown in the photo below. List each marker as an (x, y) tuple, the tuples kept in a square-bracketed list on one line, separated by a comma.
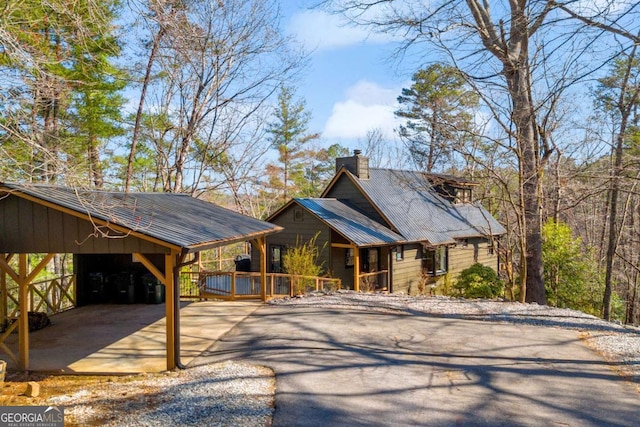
[(3, 298), (356, 269), (169, 264), (262, 246), (233, 286), (271, 285), (23, 299)]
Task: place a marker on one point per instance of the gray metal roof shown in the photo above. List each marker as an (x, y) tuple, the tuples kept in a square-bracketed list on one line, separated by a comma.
[(416, 211), (352, 224), (177, 219)]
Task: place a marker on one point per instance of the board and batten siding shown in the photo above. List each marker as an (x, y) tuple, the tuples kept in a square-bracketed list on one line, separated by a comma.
[(28, 227), (300, 229), (345, 189)]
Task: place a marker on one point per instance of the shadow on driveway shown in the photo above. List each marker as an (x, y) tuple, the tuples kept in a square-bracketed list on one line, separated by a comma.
[(342, 367)]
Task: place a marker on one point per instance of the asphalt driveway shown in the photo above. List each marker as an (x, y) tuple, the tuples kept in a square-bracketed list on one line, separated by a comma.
[(338, 367)]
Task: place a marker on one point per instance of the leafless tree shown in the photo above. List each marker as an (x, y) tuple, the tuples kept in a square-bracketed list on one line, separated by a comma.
[(217, 63)]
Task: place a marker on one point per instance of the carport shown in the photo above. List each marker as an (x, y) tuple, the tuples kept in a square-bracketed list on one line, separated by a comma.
[(161, 232)]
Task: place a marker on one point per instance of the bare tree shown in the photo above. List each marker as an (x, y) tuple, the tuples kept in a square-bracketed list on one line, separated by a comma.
[(217, 64), (504, 37)]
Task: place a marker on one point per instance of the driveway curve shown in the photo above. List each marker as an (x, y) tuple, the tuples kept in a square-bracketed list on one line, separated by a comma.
[(341, 367)]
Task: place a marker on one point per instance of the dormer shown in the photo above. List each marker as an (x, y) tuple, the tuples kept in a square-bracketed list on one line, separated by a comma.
[(454, 189)]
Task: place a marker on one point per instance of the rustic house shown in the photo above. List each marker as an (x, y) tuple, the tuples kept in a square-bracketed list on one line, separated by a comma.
[(394, 230), (108, 233)]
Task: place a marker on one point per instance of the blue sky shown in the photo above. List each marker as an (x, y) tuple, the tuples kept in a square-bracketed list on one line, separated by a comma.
[(351, 84)]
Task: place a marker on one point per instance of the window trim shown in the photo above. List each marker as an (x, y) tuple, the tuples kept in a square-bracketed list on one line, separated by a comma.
[(399, 253), (431, 255)]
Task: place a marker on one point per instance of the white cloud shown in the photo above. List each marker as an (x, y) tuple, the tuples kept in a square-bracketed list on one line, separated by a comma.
[(318, 30), (368, 106)]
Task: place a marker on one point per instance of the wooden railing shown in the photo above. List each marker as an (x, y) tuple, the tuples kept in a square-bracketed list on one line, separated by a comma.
[(48, 296), (375, 281), (248, 285)]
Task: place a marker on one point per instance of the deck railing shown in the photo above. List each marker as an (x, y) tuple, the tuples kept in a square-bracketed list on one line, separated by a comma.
[(49, 296), (375, 281), (248, 285)]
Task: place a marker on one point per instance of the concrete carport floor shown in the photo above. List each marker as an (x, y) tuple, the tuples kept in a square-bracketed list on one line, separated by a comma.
[(126, 338), (341, 367)]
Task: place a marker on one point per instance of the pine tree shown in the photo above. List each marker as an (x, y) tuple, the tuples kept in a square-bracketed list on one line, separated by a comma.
[(289, 134)]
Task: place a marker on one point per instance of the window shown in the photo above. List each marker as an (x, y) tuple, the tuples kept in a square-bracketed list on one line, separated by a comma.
[(298, 214), (371, 262), (463, 195), (275, 258), (349, 255), (400, 253), (435, 260)]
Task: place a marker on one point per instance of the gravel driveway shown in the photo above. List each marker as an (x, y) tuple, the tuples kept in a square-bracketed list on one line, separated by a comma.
[(378, 365)]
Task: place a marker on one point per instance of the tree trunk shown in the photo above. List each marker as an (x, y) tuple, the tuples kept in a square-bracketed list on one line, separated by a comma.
[(143, 95), (94, 163), (612, 241), (518, 81)]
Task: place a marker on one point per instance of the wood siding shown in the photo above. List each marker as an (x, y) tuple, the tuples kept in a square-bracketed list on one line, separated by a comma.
[(299, 230), (28, 227), (344, 189), (406, 273), (476, 251)]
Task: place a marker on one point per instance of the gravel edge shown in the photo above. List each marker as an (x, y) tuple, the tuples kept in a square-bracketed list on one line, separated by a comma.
[(617, 343), (224, 394)]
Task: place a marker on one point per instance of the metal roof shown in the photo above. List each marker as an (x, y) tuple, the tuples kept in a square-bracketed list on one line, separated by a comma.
[(417, 212), (350, 223), (177, 219)]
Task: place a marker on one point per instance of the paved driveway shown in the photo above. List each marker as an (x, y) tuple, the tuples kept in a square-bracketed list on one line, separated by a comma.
[(336, 367)]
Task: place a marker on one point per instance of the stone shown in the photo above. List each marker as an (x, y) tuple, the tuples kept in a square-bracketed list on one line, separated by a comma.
[(33, 389)]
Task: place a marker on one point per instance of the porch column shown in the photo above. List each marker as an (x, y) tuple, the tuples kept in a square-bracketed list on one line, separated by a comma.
[(23, 320), (3, 294), (262, 248), (169, 283), (356, 269), (24, 280)]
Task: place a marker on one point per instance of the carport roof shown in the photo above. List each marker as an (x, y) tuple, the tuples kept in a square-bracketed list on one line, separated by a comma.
[(176, 219)]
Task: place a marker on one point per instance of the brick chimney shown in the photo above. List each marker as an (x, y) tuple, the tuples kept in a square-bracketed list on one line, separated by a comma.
[(356, 164)]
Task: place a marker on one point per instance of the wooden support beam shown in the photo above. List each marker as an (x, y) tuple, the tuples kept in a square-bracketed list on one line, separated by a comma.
[(23, 326), (262, 248), (38, 268), (149, 266), (169, 283), (3, 295), (4, 265)]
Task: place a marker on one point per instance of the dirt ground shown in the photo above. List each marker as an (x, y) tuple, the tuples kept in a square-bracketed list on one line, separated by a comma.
[(12, 391)]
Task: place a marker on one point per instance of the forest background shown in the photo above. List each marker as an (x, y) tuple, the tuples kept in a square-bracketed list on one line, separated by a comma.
[(536, 100)]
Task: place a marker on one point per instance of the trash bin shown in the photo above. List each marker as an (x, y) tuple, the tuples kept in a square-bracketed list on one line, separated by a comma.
[(125, 288), (243, 262), (96, 288), (153, 290)]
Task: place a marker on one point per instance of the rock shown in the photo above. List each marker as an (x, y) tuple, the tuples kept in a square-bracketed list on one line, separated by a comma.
[(33, 389)]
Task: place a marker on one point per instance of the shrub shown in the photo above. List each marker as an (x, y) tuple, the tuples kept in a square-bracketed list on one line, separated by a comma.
[(478, 281), (302, 260)]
